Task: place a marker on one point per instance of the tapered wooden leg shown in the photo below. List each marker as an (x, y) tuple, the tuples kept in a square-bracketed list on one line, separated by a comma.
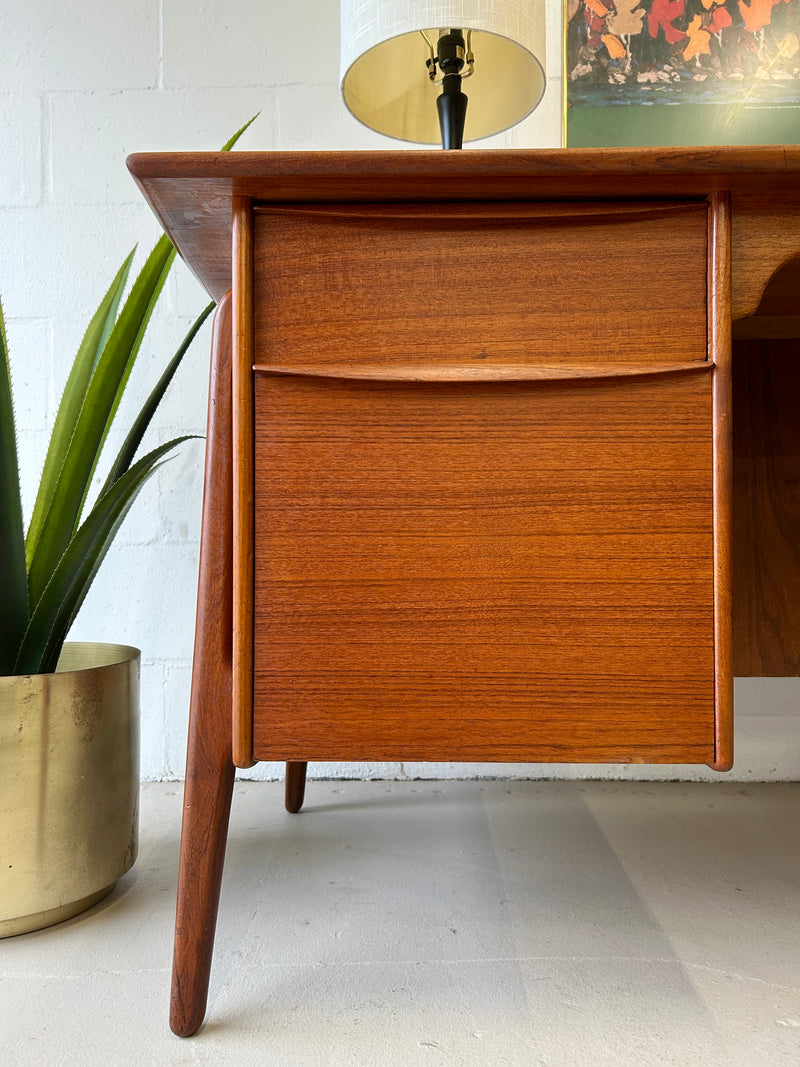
[(295, 786), (209, 764)]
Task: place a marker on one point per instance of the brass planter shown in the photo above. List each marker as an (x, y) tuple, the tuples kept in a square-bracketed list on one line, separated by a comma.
[(69, 784)]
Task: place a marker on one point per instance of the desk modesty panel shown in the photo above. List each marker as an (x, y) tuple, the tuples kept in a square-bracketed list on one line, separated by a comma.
[(484, 483)]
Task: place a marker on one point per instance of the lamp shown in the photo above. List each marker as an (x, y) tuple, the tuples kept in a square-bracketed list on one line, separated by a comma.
[(395, 54)]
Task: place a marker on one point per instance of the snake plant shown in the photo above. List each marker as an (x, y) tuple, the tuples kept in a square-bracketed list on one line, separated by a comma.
[(46, 572)]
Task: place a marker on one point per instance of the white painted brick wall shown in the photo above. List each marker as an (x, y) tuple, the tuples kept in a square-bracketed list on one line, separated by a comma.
[(82, 84)]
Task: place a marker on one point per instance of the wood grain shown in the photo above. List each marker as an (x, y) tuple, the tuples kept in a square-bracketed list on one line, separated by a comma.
[(495, 212), (295, 786), (766, 604), (456, 563), (765, 234), (766, 399), (778, 312), (538, 287), (191, 192), (209, 764), (480, 371), (719, 317), (486, 572), (242, 477), (490, 491), (782, 294)]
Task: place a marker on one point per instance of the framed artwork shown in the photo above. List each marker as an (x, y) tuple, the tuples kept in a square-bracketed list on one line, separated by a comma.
[(681, 72)]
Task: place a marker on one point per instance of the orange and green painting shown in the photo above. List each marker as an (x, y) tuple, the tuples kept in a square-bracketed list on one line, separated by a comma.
[(693, 72)]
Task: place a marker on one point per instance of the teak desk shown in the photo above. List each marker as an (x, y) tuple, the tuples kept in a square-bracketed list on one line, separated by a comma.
[(469, 468)]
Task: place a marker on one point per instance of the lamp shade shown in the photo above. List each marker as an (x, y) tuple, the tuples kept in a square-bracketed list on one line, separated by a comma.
[(385, 82)]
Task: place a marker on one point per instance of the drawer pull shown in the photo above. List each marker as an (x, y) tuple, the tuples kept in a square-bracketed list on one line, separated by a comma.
[(477, 372)]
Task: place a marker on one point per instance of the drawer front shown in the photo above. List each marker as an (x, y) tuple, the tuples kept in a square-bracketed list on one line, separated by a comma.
[(484, 571), (524, 283)]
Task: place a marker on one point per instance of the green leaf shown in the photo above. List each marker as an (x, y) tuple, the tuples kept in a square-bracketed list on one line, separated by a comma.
[(97, 411), (232, 140), (72, 399), (134, 318), (58, 574), (73, 575), (139, 427), (13, 582)]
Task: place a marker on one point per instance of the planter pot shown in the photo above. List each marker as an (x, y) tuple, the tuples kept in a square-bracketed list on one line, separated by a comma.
[(69, 784)]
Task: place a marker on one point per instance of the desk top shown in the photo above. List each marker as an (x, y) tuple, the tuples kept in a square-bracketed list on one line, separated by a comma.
[(191, 193)]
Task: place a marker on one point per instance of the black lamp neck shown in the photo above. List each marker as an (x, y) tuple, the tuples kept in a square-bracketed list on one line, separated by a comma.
[(452, 104)]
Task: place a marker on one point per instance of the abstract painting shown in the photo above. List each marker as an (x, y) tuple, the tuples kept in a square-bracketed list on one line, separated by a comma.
[(691, 72)]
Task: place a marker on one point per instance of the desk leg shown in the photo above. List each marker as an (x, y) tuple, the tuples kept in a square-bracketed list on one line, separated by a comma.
[(209, 764), (295, 785)]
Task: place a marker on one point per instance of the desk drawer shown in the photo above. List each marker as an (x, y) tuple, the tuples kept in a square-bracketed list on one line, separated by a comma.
[(508, 571), (507, 283)]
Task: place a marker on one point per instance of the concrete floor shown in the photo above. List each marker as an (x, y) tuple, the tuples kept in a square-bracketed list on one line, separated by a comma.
[(395, 924)]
